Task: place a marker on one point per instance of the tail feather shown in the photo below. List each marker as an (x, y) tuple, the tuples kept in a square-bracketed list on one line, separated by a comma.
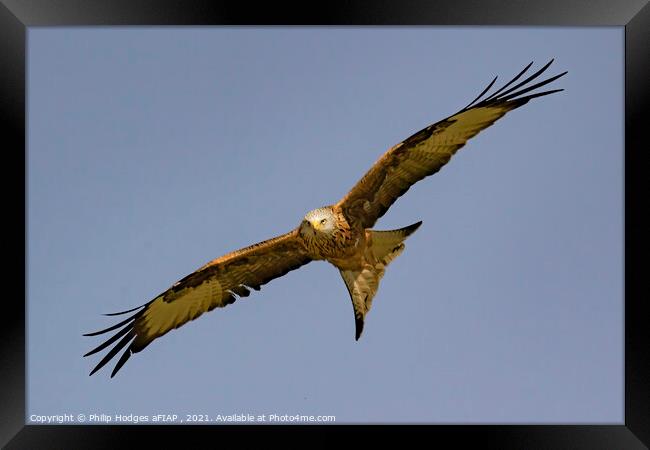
[(387, 245), (384, 246)]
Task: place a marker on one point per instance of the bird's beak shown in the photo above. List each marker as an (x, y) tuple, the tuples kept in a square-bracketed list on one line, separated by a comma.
[(315, 225)]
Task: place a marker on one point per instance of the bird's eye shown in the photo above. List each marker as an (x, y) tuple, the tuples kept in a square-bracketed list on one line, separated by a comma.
[(323, 221)]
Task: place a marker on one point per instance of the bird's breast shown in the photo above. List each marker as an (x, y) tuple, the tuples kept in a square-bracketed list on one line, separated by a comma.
[(337, 245), (347, 253)]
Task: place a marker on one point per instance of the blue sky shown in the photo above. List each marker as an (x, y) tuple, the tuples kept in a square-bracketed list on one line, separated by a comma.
[(154, 150)]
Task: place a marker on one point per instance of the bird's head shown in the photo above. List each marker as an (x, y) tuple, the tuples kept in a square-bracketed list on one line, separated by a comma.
[(318, 221)]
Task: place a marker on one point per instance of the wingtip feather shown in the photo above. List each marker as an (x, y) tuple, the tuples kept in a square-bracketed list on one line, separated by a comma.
[(123, 359), (122, 312), (116, 348)]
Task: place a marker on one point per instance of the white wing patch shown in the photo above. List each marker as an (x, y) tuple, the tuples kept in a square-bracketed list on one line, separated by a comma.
[(466, 125), (163, 315)]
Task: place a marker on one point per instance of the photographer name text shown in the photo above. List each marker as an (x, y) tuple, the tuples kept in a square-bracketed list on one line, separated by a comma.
[(130, 418)]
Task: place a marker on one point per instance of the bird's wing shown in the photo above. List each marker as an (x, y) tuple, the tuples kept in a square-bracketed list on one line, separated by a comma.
[(216, 284), (425, 152)]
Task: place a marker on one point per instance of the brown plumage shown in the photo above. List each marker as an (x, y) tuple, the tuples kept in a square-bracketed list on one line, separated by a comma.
[(339, 234)]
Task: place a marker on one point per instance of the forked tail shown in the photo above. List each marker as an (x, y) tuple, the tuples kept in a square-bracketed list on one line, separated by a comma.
[(383, 247)]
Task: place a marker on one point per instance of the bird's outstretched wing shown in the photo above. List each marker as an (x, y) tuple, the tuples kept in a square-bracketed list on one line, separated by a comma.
[(425, 152), (216, 284)]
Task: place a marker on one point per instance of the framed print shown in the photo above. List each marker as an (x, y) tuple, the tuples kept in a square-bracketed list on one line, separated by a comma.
[(154, 140)]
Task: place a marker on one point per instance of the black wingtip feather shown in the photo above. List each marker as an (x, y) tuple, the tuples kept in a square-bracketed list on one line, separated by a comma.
[(108, 342), (513, 95), (119, 346), (127, 311), (114, 327), (123, 359), (525, 99), (494, 94), (482, 93), (522, 83), (530, 88)]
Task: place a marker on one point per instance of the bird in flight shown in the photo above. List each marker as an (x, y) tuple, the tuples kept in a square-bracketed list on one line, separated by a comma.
[(341, 233)]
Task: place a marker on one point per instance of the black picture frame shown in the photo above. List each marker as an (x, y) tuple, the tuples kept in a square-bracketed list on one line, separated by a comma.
[(16, 16)]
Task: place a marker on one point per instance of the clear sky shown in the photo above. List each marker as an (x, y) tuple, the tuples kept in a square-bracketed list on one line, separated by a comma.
[(154, 150)]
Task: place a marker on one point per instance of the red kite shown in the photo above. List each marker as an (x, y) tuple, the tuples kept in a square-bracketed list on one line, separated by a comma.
[(341, 233)]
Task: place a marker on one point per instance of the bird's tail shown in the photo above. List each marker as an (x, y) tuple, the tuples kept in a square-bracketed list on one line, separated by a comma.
[(387, 245), (363, 284)]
